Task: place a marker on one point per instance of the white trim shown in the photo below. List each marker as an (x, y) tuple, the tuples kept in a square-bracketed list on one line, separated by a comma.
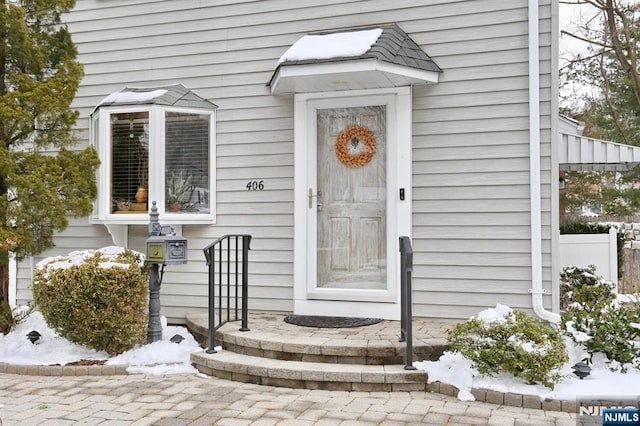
[(412, 73), (398, 102), (534, 168), (555, 172), (347, 308), (119, 234), (613, 255), (102, 213), (299, 207), (581, 153), (289, 78)]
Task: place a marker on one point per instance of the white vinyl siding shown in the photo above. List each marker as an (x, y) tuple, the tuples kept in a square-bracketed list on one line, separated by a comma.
[(471, 167), (471, 219)]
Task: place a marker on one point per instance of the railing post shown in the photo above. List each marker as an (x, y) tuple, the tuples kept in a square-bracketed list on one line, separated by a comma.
[(406, 316), (225, 261), (211, 263), (246, 240)]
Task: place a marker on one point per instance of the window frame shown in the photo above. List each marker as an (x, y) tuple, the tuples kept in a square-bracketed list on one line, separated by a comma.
[(100, 138)]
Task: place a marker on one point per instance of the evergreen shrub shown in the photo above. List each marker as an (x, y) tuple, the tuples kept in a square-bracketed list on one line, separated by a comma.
[(10, 317), (96, 298), (516, 343), (594, 319)]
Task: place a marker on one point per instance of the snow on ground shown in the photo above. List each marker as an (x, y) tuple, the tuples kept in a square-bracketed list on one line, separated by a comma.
[(164, 357), (158, 358), (454, 369)]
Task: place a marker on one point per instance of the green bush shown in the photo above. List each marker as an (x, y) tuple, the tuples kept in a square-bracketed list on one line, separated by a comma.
[(582, 286), (95, 298), (594, 320), (10, 317), (518, 344)]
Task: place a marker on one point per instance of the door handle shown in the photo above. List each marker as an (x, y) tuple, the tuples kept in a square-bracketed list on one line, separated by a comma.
[(312, 196)]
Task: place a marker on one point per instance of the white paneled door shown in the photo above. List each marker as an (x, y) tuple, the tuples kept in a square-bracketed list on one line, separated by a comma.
[(352, 161)]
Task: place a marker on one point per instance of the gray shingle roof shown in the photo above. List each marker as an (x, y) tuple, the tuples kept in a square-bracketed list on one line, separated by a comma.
[(176, 95), (393, 46)]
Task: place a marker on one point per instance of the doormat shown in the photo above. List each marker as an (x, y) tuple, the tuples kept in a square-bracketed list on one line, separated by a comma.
[(329, 322)]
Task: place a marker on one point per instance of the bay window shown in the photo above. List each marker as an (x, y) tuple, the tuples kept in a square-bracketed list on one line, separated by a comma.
[(153, 147)]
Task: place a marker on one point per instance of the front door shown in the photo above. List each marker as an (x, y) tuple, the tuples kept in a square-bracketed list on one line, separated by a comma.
[(351, 198), (356, 160)]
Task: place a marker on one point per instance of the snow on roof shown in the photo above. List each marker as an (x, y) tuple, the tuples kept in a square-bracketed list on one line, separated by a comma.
[(127, 97), (335, 45)]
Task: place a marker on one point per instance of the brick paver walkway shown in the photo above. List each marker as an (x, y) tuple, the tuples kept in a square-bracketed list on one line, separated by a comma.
[(200, 400)]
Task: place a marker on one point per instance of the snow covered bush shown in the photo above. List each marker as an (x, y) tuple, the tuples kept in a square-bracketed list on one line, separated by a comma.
[(582, 286), (96, 298), (511, 341), (594, 319)]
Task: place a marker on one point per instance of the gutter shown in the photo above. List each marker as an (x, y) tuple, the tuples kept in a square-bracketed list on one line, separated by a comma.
[(534, 168)]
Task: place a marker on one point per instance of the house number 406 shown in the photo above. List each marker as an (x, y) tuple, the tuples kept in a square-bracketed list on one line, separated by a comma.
[(255, 185)]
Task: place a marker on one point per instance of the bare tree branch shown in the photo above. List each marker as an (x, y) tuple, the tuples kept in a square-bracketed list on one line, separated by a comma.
[(586, 40), (617, 43)]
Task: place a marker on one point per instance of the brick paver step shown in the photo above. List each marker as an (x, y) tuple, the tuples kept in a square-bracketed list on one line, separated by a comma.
[(270, 337), (362, 359), (308, 375)]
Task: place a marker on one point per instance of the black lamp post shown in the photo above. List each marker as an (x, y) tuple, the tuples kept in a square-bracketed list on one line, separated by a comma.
[(163, 248), (154, 332)]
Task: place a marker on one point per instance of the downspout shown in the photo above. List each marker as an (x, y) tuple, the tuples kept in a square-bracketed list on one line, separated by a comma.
[(534, 168)]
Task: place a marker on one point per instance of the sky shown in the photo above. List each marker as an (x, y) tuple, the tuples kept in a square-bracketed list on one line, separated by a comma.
[(570, 16)]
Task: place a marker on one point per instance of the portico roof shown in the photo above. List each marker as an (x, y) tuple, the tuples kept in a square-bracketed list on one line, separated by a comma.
[(175, 95), (355, 58)]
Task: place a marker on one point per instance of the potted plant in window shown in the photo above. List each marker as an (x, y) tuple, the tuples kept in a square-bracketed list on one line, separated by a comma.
[(143, 173), (177, 187)]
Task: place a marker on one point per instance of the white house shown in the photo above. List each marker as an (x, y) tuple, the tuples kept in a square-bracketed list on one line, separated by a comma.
[(326, 130)]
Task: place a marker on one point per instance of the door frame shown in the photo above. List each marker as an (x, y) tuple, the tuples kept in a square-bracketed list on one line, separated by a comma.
[(308, 299)]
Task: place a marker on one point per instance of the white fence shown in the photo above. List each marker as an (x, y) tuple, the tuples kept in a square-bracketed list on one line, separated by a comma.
[(591, 249)]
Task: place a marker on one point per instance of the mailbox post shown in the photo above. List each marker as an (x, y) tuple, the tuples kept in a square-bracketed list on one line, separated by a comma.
[(162, 249)]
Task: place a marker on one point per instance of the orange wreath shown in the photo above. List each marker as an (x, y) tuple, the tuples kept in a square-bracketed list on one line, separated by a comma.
[(355, 146)]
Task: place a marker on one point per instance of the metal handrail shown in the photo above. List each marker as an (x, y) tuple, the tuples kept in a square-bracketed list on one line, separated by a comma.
[(406, 316), (230, 276)]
